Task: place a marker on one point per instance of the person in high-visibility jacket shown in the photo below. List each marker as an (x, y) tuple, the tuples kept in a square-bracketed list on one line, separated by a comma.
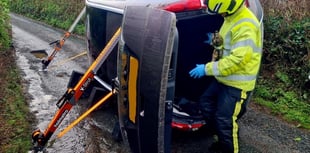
[(235, 73)]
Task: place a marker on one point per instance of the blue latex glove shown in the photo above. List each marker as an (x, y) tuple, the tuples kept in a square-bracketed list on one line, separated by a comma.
[(198, 71), (209, 39)]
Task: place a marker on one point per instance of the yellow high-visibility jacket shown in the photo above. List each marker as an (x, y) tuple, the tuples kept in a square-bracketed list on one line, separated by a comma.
[(242, 51)]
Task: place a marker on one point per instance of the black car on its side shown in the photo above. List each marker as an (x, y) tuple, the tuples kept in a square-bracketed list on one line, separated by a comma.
[(161, 41)]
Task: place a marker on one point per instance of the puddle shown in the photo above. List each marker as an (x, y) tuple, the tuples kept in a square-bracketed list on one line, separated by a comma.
[(44, 89), (40, 54)]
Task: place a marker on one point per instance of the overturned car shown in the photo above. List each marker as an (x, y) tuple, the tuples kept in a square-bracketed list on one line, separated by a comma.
[(161, 41)]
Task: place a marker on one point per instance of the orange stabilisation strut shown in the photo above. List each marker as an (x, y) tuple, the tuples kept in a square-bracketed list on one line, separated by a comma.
[(61, 42), (72, 95)]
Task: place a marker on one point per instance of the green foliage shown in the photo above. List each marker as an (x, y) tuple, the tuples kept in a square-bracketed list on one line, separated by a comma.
[(287, 41), (283, 85), (4, 25), (284, 78), (277, 92), (57, 13), (282, 101), (287, 47), (14, 118)]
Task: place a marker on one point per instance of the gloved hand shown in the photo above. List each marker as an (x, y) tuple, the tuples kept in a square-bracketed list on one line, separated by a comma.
[(198, 71), (209, 39)]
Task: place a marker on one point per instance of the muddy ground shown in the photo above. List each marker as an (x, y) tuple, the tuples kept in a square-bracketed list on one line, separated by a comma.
[(259, 131)]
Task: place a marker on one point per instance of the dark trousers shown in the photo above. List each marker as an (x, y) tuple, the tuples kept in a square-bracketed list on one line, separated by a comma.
[(222, 106)]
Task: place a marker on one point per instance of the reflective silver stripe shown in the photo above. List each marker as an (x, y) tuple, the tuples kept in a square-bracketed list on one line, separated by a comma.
[(247, 42), (227, 45), (240, 77), (226, 52), (246, 20), (217, 7), (215, 69)]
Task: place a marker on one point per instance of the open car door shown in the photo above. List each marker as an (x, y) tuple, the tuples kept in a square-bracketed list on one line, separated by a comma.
[(143, 65)]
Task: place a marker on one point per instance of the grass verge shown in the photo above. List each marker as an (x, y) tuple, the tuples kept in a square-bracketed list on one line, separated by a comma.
[(284, 104), (59, 14), (15, 117)]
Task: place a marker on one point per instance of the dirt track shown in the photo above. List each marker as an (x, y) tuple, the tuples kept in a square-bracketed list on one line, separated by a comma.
[(259, 132)]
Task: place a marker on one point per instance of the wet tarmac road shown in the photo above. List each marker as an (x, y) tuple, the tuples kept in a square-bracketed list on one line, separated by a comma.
[(260, 133), (45, 88)]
